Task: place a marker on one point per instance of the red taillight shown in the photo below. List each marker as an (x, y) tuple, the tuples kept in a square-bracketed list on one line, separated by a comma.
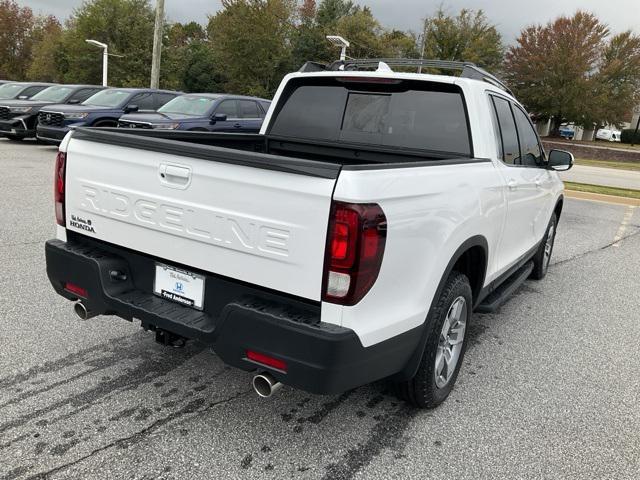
[(59, 187), (357, 235), (392, 81), (73, 288), (266, 360)]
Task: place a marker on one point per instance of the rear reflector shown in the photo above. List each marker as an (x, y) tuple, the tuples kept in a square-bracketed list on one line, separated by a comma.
[(266, 360), (73, 288), (355, 246), (59, 187)]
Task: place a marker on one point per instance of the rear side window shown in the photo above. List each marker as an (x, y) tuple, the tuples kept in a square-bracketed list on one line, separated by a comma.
[(530, 153), (508, 132), (404, 114), (249, 109)]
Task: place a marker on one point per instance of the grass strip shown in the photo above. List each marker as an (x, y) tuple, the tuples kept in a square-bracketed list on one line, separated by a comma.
[(634, 166), (618, 192)]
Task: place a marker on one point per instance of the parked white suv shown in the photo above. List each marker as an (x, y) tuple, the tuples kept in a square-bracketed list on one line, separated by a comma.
[(349, 241)]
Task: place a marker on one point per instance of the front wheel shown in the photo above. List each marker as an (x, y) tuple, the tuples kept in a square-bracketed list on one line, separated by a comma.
[(445, 347), (543, 256), (14, 138)]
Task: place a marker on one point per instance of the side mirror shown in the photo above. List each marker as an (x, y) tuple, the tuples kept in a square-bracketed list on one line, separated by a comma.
[(23, 97), (560, 160), (131, 108), (74, 101), (218, 117)]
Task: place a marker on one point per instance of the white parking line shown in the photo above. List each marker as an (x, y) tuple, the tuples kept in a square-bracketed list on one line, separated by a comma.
[(623, 226)]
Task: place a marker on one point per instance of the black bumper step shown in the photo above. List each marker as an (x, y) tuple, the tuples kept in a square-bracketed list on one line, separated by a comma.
[(497, 297)]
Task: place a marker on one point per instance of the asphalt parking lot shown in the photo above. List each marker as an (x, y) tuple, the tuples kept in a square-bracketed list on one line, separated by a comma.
[(550, 387)]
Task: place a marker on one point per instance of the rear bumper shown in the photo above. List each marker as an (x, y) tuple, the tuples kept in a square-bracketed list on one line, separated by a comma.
[(321, 358), (51, 134), (16, 127)]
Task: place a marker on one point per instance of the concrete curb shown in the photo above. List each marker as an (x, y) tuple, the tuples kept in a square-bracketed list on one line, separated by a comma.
[(599, 197)]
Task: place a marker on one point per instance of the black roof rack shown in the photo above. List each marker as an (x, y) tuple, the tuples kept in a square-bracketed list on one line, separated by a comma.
[(468, 69)]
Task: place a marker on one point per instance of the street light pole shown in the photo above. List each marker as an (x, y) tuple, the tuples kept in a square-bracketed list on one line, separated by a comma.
[(157, 44), (339, 42), (105, 58)]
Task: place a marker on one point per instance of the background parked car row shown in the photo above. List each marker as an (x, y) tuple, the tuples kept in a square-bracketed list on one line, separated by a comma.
[(49, 111)]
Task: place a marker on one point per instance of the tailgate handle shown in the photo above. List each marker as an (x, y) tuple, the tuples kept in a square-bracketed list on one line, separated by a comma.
[(175, 176)]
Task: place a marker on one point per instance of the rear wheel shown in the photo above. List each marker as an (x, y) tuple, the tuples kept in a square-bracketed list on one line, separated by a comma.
[(543, 256), (445, 347)]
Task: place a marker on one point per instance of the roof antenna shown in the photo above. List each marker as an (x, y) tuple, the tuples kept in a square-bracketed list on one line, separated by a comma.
[(383, 67), (339, 42)]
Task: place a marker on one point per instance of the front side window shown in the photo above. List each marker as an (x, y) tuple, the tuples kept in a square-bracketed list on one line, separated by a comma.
[(530, 152), (228, 108), (508, 132), (144, 101)]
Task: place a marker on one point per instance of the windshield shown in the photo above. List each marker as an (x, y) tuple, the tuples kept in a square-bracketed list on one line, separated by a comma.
[(53, 94), (108, 98), (10, 90), (188, 105)]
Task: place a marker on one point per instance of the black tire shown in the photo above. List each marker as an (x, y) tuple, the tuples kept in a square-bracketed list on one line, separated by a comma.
[(14, 138), (422, 390), (540, 260)]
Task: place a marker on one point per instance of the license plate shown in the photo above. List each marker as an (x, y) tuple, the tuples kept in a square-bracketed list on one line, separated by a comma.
[(180, 286)]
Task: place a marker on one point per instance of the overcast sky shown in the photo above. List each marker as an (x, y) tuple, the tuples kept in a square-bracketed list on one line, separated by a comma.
[(510, 15)]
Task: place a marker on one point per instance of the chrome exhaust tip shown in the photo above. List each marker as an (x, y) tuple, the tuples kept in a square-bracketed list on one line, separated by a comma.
[(83, 312), (265, 384)]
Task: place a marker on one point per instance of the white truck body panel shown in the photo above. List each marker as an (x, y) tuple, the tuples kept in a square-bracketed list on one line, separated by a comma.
[(259, 226), (433, 210)]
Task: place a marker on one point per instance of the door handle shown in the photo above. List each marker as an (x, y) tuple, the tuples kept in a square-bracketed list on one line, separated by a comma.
[(512, 184), (237, 125), (174, 176)]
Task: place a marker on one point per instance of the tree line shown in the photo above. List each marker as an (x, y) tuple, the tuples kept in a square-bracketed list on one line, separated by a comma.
[(572, 69)]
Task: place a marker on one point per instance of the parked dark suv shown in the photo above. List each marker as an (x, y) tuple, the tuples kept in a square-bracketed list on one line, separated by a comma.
[(18, 118), (204, 112), (21, 90), (101, 110)]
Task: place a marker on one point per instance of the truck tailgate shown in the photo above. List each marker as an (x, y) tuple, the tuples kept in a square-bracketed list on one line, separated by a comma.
[(261, 226)]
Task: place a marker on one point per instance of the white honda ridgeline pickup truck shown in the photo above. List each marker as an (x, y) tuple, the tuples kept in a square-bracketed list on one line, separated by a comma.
[(348, 242)]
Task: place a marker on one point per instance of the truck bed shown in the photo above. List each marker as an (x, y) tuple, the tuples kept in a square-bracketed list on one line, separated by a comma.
[(283, 154)]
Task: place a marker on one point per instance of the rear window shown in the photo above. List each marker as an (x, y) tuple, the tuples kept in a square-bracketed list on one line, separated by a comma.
[(404, 114)]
